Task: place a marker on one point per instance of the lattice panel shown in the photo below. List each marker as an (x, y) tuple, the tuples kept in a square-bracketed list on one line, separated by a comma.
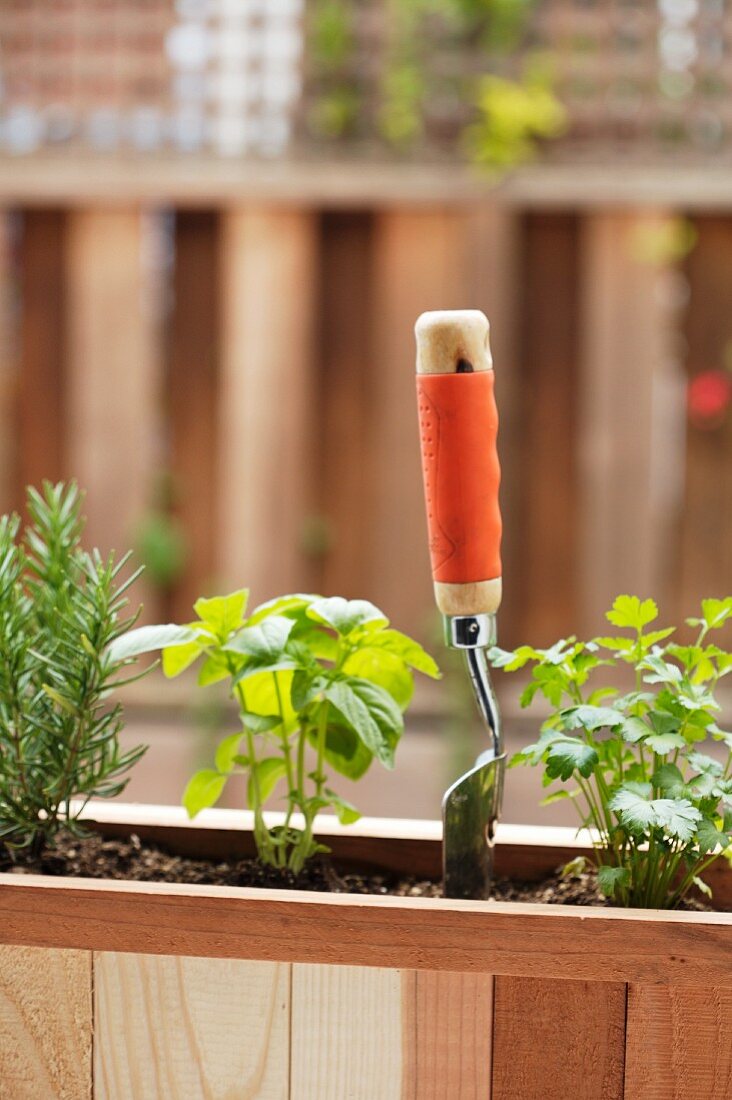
[(642, 78), (221, 75), (647, 80)]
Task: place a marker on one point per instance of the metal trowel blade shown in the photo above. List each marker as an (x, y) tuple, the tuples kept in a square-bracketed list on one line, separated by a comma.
[(470, 810)]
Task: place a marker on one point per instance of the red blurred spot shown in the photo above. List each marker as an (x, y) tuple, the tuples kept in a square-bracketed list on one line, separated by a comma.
[(708, 397)]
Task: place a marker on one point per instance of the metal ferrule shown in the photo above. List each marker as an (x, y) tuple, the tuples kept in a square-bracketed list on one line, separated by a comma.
[(470, 631), (473, 634)]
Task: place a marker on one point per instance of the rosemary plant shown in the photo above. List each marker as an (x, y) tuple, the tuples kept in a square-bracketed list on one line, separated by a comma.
[(60, 608)]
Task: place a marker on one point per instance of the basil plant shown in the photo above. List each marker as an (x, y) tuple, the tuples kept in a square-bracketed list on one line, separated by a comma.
[(320, 684)]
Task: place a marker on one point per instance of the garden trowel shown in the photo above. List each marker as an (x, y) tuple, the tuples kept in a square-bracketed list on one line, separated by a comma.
[(458, 425)]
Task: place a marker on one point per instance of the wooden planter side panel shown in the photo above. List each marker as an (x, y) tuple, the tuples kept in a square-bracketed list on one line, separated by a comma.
[(554, 1040), (196, 1029), (346, 1033), (448, 1034), (678, 1043), (190, 1028), (45, 1024), (398, 1035)]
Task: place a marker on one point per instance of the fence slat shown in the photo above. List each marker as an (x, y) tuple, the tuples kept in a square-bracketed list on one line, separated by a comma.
[(678, 1043), (494, 241), (9, 374), (268, 284), (114, 365), (706, 528), (45, 1024), (346, 1033), (41, 398), (346, 475), (544, 425), (553, 1040), (627, 517), (193, 399), (190, 1028), (419, 264), (447, 1036)]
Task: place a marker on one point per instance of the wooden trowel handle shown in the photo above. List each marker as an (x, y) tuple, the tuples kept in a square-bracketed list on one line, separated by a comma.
[(458, 424)]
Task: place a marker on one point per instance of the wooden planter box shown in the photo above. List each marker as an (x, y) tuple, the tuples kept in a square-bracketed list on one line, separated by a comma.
[(131, 991)]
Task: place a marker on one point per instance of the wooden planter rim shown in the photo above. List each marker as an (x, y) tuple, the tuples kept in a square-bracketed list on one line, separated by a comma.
[(407, 933)]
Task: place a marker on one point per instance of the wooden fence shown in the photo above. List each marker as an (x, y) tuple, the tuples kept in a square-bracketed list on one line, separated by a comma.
[(249, 334)]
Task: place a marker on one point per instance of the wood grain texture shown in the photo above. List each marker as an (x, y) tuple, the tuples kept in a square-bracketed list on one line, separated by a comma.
[(268, 274), (629, 468), (472, 598), (545, 569), (192, 384), (199, 181), (346, 484), (9, 370), (114, 369), (704, 564), (368, 930), (190, 1029), (678, 1043), (446, 1034), (346, 1033), (554, 1040), (41, 390), (494, 266), (45, 1024)]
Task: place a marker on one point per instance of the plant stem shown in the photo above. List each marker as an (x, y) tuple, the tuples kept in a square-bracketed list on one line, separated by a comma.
[(262, 836), (586, 789), (298, 852), (286, 750), (287, 754), (322, 731), (688, 881)]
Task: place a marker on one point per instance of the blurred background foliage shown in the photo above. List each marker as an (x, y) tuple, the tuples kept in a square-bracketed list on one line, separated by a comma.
[(446, 80)]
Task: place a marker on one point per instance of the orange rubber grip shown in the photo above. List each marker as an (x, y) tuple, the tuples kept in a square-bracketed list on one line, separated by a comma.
[(458, 423)]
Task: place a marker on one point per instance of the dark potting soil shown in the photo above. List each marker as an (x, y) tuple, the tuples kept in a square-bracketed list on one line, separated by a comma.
[(133, 860)]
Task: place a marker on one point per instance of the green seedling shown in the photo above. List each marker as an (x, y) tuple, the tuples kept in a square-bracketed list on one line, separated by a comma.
[(632, 762)]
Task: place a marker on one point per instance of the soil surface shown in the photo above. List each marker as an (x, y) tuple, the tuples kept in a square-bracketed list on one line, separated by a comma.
[(133, 860)]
